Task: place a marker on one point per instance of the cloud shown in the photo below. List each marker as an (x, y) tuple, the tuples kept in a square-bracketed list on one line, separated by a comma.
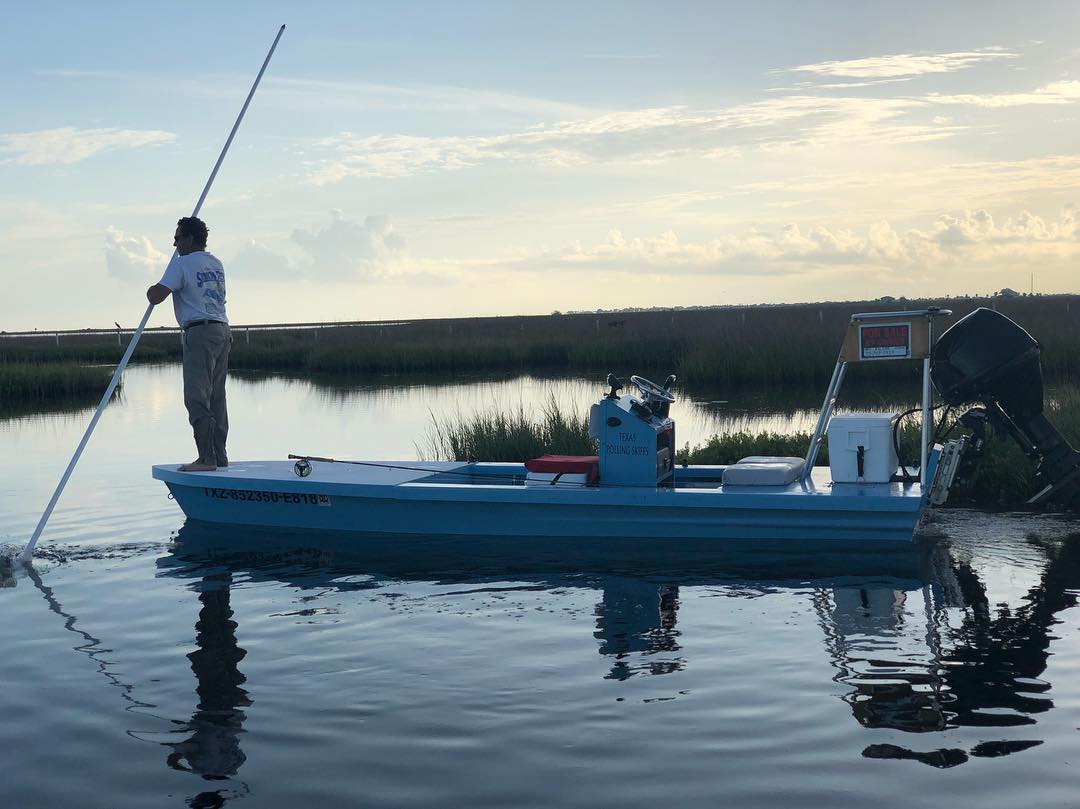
[(132, 258), (622, 56), (347, 247), (257, 262), (630, 137), (331, 94), (343, 250), (967, 240), (809, 118), (68, 145), (846, 85), (351, 95), (903, 64), (1059, 92), (997, 183)]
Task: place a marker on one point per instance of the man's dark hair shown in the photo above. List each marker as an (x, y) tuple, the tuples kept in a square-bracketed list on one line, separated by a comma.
[(195, 228)]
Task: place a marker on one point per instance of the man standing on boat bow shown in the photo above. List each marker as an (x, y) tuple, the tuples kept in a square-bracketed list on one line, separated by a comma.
[(196, 280)]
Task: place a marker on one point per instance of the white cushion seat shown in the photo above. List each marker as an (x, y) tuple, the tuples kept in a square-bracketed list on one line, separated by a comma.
[(758, 470)]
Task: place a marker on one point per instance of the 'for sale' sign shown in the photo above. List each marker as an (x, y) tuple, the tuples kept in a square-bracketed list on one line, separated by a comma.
[(885, 341)]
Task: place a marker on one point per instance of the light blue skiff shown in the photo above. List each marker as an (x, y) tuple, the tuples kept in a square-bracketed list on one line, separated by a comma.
[(492, 499), (632, 488)]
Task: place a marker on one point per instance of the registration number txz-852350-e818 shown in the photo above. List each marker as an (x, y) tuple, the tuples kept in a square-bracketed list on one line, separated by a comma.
[(248, 496)]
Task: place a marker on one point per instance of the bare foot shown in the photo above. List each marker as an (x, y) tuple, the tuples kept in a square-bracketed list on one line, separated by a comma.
[(196, 467)]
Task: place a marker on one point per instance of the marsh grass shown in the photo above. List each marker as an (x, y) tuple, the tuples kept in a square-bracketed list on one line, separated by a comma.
[(783, 345), (731, 447), (89, 349), (517, 435), (22, 383)]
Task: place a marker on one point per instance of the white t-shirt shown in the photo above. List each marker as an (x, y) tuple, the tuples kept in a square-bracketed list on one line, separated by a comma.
[(197, 281)]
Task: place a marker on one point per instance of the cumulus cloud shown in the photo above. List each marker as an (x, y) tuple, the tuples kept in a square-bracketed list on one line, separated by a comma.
[(969, 239), (68, 145), (342, 250), (903, 64), (132, 258), (348, 247), (257, 262)]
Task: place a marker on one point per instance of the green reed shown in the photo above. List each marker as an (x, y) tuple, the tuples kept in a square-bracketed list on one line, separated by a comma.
[(495, 435), (24, 383), (783, 344), (88, 349)]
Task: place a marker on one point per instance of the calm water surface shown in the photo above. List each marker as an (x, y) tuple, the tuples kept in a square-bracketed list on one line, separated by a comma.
[(148, 663)]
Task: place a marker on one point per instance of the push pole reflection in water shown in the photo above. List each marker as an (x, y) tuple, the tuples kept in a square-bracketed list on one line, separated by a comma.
[(213, 749)]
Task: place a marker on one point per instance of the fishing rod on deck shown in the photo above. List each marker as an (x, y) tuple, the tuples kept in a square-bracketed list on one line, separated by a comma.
[(467, 470), (28, 551)]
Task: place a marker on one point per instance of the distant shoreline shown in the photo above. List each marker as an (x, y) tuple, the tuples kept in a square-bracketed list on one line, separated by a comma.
[(774, 345), (876, 304)]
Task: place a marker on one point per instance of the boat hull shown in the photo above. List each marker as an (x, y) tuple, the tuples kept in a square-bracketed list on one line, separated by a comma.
[(404, 499)]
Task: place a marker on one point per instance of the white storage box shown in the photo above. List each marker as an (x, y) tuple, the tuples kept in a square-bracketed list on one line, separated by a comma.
[(873, 433)]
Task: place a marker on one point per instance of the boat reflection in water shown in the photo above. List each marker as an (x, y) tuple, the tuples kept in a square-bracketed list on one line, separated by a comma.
[(638, 617), (910, 632), (981, 662)]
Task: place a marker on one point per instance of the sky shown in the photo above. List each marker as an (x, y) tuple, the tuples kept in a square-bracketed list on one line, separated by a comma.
[(414, 160)]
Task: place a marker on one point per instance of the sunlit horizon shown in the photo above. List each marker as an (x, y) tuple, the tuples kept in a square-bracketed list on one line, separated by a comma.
[(431, 162)]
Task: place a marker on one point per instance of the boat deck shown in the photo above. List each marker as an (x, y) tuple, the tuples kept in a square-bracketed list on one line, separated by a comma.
[(341, 478)]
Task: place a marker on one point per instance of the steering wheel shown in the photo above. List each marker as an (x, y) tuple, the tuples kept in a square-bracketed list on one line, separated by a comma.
[(651, 390)]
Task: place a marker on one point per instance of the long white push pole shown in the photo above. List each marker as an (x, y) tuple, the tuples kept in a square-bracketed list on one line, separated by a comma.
[(28, 551)]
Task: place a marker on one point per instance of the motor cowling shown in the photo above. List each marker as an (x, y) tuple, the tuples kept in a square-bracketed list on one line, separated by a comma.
[(986, 357)]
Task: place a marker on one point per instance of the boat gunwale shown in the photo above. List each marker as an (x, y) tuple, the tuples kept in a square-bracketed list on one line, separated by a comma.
[(882, 497)]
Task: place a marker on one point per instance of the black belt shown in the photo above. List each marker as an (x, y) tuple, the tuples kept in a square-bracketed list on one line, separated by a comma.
[(201, 323)]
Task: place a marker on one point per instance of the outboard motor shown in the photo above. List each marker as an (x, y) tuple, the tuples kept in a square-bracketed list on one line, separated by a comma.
[(986, 357)]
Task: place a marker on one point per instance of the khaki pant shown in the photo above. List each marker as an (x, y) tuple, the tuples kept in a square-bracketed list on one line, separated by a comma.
[(206, 364)]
